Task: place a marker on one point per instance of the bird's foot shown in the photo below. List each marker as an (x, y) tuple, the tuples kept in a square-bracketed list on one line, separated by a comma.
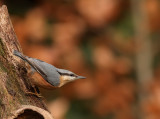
[(36, 94)]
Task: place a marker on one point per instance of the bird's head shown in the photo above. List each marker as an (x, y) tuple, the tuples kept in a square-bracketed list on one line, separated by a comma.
[(67, 76)]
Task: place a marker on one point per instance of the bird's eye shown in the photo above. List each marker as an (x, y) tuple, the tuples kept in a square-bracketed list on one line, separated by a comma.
[(71, 74)]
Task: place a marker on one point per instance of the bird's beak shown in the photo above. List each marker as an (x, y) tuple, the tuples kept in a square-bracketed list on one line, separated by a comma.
[(80, 77)]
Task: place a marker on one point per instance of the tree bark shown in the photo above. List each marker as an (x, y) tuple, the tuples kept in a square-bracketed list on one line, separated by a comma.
[(14, 82)]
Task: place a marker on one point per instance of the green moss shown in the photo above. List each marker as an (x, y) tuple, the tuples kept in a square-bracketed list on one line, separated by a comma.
[(2, 67), (1, 104), (12, 88), (2, 53), (12, 84)]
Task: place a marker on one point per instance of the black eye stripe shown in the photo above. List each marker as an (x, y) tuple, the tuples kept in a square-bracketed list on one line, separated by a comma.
[(66, 74)]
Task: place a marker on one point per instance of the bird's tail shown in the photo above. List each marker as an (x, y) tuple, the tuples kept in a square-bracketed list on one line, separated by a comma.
[(15, 52), (30, 62)]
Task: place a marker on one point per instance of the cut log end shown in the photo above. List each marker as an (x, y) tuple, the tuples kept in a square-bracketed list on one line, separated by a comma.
[(31, 112)]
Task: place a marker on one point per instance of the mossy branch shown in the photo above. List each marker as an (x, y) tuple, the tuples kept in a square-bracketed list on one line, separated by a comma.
[(14, 82)]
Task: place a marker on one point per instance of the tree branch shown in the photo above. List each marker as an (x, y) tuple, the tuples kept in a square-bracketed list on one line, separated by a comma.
[(14, 82)]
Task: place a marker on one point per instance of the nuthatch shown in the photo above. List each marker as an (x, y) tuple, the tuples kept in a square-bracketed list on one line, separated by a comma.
[(46, 75)]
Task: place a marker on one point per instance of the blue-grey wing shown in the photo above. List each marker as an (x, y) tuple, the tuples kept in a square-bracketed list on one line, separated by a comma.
[(47, 71)]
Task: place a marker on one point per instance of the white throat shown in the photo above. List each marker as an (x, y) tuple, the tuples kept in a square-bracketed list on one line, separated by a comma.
[(65, 79)]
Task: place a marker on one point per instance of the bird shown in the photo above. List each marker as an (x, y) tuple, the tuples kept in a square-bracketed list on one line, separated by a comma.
[(46, 75)]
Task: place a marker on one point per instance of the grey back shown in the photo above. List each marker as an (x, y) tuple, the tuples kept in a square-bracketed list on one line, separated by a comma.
[(48, 71)]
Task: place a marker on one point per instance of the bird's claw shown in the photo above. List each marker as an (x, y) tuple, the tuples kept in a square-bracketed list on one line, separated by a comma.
[(36, 94)]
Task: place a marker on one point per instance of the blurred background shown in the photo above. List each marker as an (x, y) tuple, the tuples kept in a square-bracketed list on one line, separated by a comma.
[(114, 43)]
